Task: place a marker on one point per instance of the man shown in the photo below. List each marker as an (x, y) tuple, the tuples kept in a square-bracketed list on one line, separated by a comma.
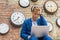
[(35, 20)]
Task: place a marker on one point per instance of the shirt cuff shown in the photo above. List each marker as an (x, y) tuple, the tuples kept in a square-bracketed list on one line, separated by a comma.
[(29, 37)]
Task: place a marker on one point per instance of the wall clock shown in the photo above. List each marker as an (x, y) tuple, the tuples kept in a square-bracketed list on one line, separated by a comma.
[(24, 3), (4, 28), (34, 0), (17, 18), (58, 22), (50, 25), (50, 7)]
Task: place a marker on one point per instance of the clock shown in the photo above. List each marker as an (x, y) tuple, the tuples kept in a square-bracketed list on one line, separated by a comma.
[(24, 3), (58, 22), (34, 0), (17, 18), (50, 25), (50, 7), (4, 28)]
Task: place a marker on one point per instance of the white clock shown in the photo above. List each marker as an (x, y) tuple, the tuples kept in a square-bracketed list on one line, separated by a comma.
[(4, 28), (17, 18), (24, 3), (50, 25), (58, 22), (50, 6)]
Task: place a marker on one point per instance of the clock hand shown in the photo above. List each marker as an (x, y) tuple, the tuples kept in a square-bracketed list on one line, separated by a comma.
[(17, 18), (25, 2)]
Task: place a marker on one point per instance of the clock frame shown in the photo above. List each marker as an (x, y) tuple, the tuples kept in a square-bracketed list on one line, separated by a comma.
[(50, 5)]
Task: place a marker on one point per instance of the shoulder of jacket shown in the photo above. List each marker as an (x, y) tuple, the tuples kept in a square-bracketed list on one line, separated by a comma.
[(26, 20)]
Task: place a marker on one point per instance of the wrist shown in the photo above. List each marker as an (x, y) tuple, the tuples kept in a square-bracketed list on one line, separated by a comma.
[(41, 14)]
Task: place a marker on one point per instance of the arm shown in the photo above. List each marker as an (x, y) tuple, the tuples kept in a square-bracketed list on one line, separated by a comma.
[(23, 31), (43, 21)]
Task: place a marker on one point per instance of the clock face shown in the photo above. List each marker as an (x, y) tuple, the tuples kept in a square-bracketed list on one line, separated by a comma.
[(17, 18), (58, 21), (51, 6), (24, 3), (4, 28), (50, 25)]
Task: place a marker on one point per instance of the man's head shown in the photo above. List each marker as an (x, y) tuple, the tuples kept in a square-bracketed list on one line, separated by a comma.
[(35, 11)]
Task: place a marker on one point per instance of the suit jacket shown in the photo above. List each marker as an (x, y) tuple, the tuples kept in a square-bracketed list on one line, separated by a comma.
[(26, 27)]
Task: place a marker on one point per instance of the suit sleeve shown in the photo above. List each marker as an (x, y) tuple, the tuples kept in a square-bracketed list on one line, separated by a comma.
[(43, 21), (24, 35)]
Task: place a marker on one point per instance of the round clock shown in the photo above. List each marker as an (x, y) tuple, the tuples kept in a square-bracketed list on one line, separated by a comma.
[(50, 25), (4, 28), (50, 7), (58, 21), (24, 3), (17, 18), (34, 0)]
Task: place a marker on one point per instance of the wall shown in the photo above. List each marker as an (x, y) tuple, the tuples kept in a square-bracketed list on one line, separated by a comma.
[(9, 6)]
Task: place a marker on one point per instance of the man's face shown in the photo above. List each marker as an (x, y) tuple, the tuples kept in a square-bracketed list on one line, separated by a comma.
[(36, 12)]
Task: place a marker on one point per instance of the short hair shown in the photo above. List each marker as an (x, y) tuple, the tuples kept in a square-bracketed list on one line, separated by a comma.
[(32, 8)]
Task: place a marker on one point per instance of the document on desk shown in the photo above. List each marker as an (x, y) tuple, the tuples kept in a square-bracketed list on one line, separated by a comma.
[(39, 31)]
